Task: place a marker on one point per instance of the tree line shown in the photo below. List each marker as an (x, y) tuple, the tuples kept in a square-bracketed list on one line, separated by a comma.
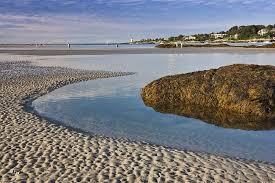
[(243, 32), (250, 31)]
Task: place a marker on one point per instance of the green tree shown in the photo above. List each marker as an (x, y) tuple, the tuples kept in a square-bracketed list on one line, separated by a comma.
[(246, 32), (233, 30), (270, 27), (203, 37)]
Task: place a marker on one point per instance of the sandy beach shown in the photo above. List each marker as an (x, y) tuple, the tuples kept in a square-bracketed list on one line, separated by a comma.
[(107, 51), (35, 150)]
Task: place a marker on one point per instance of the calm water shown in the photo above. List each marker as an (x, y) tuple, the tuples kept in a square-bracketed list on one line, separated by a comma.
[(113, 46), (86, 46), (113, 107)]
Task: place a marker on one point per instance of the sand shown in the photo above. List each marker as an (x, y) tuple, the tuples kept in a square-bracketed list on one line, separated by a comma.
[(35, 150), (108, 51)]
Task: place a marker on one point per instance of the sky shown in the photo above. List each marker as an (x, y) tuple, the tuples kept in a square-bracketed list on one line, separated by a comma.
[(94, 21)]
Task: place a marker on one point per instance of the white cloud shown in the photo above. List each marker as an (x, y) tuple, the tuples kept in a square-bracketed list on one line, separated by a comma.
[(201, 2), (84, 28), (56, 28), (140, 2), (88, 27)]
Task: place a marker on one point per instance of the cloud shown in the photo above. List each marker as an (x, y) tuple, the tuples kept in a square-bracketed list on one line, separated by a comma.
[(55, 28), (219, 2), (119, 20), (84, 28), (135, 2), (201, 2)]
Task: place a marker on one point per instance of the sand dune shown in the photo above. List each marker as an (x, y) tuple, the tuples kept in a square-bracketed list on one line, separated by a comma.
[(34, 150)]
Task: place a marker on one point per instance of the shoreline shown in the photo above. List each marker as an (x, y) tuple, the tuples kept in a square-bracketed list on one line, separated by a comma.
[(28, 108), (98, 51), (58, 123), (43, 154)]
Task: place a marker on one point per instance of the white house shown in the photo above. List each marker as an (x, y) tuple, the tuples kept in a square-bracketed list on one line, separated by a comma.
[(218, 35), (189, 38), (235, 36), (262, 32)]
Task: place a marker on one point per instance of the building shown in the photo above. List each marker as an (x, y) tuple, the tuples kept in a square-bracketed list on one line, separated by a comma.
[(235, 36), (262, 32), (218, 35), (189, 38)]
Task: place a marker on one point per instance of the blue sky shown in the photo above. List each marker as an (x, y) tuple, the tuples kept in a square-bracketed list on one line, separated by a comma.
[(79, 21)]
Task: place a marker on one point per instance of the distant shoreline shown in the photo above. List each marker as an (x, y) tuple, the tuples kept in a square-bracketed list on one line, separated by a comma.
[(208, 45), (110, 51), (65, 45)]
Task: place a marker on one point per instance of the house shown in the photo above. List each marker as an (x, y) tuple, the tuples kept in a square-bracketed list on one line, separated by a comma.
[(218, 35), (235, 36), (189, 38), (262, 32)]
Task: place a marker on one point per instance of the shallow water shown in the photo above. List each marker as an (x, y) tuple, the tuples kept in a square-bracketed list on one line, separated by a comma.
[(113, 107)]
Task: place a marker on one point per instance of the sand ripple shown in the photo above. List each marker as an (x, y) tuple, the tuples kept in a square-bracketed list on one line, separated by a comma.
[(34, 150)]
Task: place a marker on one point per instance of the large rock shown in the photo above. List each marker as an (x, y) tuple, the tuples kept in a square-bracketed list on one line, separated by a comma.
[(236, 96), (173, 45)]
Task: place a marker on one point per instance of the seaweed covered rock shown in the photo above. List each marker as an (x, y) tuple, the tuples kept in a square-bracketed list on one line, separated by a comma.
[(173, 45), (236, 96)]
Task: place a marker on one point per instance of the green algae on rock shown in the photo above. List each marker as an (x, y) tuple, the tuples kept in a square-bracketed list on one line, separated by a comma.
[(221, 45), (236, 96)]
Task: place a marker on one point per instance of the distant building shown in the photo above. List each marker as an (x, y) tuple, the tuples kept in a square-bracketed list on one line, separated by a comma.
[(189, 38), (132, 40), (235, 36), (262, 32), (218, 35)]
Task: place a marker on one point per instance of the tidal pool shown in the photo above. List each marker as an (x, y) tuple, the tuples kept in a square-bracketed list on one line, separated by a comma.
[(113, 107)]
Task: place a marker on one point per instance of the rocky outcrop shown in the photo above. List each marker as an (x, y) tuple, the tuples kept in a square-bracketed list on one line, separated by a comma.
[(236, 96), (173, 45), (263, 46)]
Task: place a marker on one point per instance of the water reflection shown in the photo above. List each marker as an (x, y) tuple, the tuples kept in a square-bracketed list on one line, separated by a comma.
[(113, 107), (216, 117)]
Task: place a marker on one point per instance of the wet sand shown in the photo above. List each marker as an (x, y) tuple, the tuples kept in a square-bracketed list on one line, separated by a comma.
[(35, 150), (98, 51)]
